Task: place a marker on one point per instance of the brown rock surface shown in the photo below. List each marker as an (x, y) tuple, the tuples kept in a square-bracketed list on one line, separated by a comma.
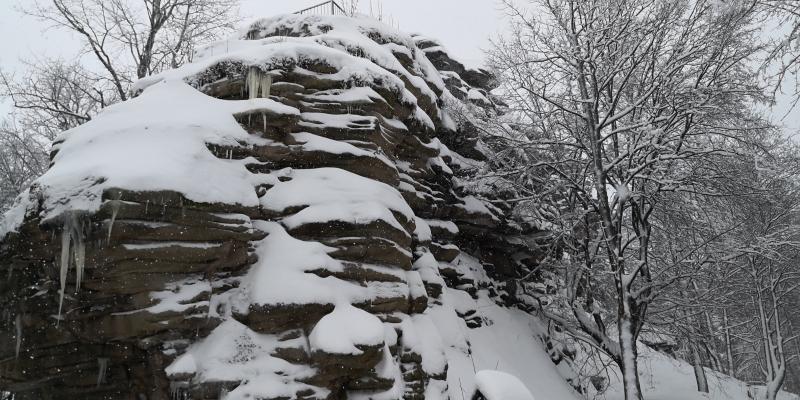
[(162, 272)]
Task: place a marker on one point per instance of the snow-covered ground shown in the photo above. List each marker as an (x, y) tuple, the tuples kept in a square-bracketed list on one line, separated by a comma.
[(508, 342), (496, 385), (665, 378)]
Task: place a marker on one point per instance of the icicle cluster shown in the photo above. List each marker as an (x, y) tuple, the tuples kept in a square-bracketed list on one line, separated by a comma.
[(72, 247), (178, 391), (258, 83)]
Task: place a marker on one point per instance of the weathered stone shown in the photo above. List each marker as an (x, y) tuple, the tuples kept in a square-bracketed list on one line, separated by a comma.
[(338, 372), (370, 251), (141, 242), (284, 317), (357, 273), (444, 252)]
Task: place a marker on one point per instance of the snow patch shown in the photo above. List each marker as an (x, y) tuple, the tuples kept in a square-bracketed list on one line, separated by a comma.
[(167, 151), (178, 295), (345, 329), (234, 353), (422, 230), (496, 385), (333, 194), (421, 336), (279, 276), (14, 217), (446, 225)]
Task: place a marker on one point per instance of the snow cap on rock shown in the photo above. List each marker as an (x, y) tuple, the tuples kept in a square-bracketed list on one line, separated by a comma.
[(496, 385)]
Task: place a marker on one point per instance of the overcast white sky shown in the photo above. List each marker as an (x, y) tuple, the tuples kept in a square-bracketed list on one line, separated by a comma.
[(463, 26)]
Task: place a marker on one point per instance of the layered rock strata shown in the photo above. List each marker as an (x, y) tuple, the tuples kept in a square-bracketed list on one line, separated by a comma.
[(280, 219)]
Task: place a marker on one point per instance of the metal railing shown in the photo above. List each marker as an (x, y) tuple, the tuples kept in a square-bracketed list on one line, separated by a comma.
[(330, 7)]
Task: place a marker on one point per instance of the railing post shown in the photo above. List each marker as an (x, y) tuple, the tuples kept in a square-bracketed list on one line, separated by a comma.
[(320, 8)]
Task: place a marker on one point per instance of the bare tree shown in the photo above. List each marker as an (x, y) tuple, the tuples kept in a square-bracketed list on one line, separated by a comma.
[(783, 61), (766, 278), (22, 158), (127, 39), (51, 96), (133, 39), (621, 105), (742, 249)]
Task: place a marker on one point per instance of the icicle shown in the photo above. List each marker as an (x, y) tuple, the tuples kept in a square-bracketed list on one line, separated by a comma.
[(264, 119), (174, 391), (251, 81), (223, 392), (258, 83), (102, 365), (177, 390), (146, 206), (64, 267), (72, 244), (266, 85), (80, 259), (114, 211), (18, 326)]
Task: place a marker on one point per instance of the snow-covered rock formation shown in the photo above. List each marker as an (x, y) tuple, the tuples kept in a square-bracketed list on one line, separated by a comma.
[(279, 219)]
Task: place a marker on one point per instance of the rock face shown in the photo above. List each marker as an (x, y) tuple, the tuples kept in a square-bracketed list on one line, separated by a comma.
[(277, 220)]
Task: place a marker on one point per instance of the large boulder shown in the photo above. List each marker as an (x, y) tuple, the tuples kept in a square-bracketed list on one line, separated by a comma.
[(274, 221)]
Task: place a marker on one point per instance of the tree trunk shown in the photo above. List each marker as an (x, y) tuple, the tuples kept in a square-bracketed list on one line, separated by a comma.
[(699, 372), (774, 386), (628, 362), (777, 352), (728, 345)]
